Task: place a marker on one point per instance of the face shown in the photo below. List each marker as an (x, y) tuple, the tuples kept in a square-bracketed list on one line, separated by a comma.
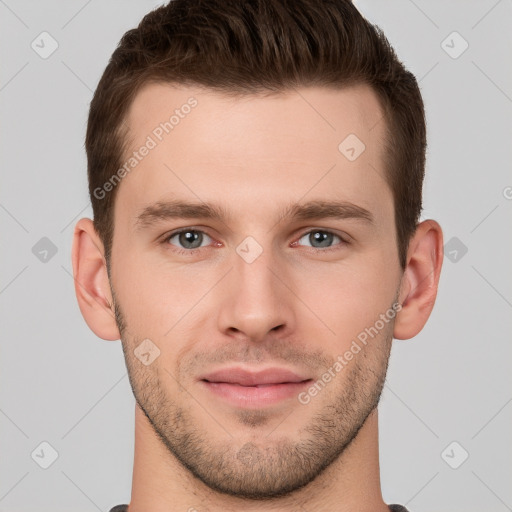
[(245, 280)]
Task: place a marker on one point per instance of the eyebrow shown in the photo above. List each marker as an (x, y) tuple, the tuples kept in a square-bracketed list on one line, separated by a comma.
[(320, 209)]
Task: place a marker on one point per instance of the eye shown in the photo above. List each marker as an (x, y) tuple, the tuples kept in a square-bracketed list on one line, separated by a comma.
[(188, 239), (321, 239)]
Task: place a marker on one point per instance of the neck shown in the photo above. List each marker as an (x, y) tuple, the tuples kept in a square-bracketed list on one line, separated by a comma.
[(161, 484)]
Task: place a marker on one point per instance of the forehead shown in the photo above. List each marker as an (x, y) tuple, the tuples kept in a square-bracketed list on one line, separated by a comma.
[(311, 113), (255, 149)]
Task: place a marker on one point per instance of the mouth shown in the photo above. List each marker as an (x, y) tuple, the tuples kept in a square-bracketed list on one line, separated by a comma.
[(244, 376), (242, 388), (257, 385)]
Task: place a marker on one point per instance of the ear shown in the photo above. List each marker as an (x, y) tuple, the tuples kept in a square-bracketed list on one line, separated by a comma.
[(418, 288), (91, 281)]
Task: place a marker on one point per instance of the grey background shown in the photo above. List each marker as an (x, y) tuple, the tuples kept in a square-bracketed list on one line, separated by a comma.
[(63, 385)]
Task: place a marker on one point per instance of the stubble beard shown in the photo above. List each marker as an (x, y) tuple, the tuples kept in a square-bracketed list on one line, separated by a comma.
[(273, 465)]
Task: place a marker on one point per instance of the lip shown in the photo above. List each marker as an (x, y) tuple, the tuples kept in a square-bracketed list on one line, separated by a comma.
[(248, 389), (243, 377)]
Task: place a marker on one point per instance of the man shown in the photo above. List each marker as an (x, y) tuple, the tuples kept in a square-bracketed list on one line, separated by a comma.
[(255, 171)]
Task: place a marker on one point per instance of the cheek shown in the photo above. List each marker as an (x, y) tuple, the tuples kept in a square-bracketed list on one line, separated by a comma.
[(337, 299), (347, 299), (161, 300), (145, 296)]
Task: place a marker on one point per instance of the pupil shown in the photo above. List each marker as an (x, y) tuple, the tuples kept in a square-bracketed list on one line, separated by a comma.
[(321, 237), (189, 237)]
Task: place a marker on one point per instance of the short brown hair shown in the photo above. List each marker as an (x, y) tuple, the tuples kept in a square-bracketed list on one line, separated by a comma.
[(259, 46)]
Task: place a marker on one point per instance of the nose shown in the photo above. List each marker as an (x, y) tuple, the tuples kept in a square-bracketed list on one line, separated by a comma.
[(256, 299)]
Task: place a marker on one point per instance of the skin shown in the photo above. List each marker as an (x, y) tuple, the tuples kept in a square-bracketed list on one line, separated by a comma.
[(298, 305)]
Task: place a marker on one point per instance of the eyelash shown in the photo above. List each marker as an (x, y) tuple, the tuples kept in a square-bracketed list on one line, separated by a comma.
[(176, 249)]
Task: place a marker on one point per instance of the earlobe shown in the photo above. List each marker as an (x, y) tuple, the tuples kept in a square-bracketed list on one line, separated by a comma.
[(420, 280), (92, 286)]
